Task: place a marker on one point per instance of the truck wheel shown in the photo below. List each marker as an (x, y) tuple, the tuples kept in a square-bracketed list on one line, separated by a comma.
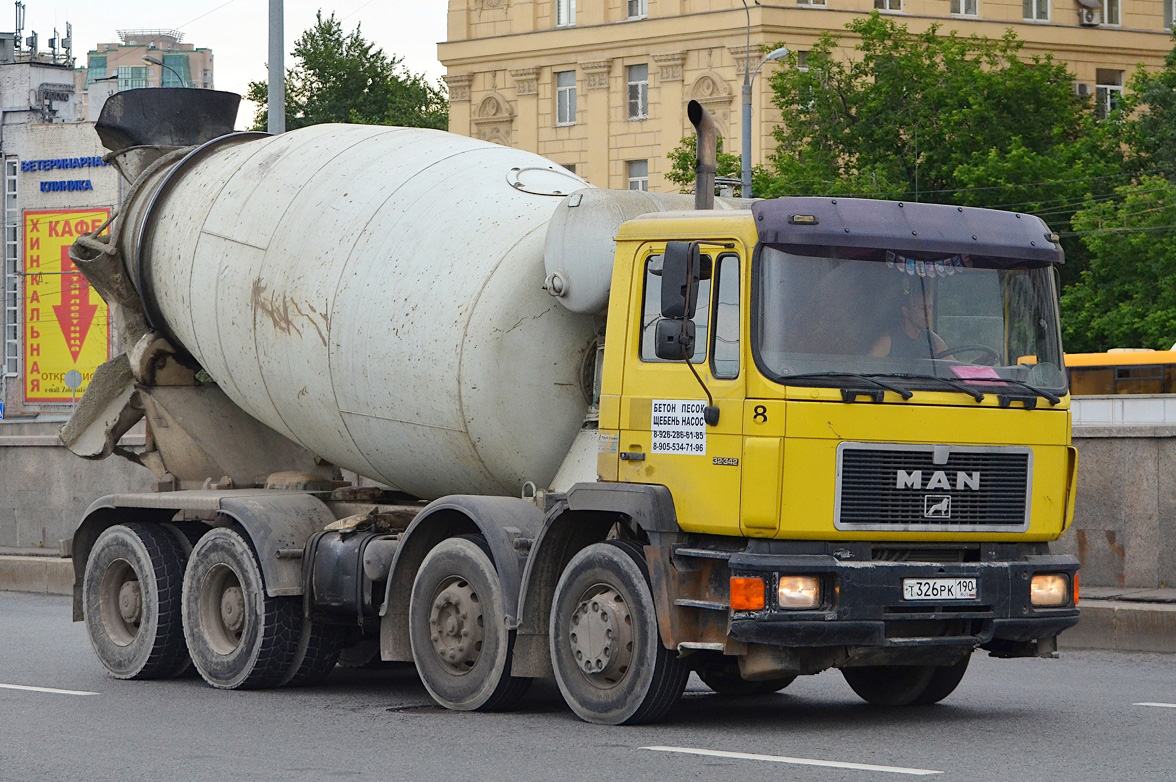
[(905, 685), (131, 599), (456, 628), (238, 637), (723, 677), (318, 651), (608, 658)]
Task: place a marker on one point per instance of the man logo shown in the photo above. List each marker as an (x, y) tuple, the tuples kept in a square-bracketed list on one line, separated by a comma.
[(936, 506)]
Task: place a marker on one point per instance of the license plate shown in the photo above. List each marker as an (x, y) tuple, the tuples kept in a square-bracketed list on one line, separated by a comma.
[(939, 589)]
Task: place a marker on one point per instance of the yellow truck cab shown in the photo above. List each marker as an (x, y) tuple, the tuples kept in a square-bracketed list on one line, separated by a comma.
[(888, 449)]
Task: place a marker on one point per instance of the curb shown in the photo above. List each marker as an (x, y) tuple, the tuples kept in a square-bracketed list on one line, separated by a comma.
[(42, 575), (1123, 626)]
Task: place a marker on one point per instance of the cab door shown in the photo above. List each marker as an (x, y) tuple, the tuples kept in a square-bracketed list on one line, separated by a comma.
[(663, 439)]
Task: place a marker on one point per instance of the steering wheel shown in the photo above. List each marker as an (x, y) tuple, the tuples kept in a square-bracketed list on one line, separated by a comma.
[(985, 355)]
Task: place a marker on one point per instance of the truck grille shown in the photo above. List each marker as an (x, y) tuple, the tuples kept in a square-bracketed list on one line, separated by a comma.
[(925, 487)]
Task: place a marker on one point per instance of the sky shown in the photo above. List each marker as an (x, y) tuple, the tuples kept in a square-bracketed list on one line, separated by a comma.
[(237, 31)]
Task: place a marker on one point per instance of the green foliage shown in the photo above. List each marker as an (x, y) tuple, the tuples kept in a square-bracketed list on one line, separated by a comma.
[(1126, 297), (930, 117), (1150, 102), (683, 158), (342, 77)]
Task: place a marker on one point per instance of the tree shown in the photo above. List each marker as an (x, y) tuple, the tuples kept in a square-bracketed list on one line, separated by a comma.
[(1150, 104), (683, 157), (943, 118), (931, 117), (345, 78), (1126, 297)]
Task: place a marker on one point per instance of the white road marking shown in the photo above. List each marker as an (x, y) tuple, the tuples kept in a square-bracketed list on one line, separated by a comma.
[(49, 690), (1157, 705), (714, 753)]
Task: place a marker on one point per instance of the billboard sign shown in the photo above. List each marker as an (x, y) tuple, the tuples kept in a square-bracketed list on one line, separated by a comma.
[(67, 324)]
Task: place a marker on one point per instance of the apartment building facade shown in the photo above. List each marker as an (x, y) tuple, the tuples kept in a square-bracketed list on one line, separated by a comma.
[(139, 59), (602, 87)]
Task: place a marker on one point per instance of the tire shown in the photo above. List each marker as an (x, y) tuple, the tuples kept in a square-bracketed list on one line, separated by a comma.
[(634, 678), (317, 653), (456, 628), (238, 637), (131, 602), (905, 685), (723, 677)]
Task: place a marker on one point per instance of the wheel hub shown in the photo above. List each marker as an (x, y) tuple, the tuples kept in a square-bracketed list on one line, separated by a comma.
[(130, 602), (602, 637), (456, 626), (232, 606)]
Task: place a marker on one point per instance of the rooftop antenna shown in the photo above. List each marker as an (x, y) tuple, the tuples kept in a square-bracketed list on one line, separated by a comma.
[(20, 23), (53, 43), (67, 44)]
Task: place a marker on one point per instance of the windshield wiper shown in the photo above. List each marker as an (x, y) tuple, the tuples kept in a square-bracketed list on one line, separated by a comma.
[(1053, 399), (975, 393), (956, 384), (845, 392)]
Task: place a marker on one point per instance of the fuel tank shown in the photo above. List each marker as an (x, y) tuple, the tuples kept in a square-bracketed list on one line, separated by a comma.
[(374, 294)]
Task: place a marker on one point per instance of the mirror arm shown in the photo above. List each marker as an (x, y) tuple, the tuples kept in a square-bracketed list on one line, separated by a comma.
[(711, 413)]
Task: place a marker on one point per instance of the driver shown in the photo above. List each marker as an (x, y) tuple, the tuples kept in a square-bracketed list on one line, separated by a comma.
[(910, 336)]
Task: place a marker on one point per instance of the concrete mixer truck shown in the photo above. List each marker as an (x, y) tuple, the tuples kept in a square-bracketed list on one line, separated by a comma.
[(433, 397)]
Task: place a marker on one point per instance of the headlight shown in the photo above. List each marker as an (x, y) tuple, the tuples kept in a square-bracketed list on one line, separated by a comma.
[(1049, 590), (799, 592)]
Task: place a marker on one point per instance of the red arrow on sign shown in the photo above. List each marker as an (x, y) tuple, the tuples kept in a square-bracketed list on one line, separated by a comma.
[(75, 314)]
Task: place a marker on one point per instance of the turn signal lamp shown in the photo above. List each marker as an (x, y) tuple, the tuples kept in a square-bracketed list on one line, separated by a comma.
[(1049, 590), (747, 594), (799, 592)]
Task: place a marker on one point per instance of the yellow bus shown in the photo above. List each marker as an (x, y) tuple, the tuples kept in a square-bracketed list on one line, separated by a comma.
[(1122, 371)]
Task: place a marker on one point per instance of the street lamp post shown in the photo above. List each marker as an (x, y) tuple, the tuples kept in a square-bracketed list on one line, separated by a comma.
[(159, 62), (748, 78)]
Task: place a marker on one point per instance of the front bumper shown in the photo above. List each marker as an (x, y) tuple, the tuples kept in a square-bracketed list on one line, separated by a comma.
[(863, 604)]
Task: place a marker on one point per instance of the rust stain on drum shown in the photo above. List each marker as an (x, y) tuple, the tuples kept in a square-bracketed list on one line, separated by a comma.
[(279, 312)]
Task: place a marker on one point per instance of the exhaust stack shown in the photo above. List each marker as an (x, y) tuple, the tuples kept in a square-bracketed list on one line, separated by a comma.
[(706, 161)]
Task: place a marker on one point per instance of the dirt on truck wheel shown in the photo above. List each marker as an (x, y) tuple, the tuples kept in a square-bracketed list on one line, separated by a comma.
[(608, 657), (131, 594), (239, 637), (459, 639)]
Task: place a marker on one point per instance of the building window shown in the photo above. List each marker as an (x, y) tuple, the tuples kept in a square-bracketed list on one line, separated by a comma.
[(638, 172), (1169, 13), (176, 72), (965, 7), (565, 13), (812, 2), (569, 166), (638, 9), (1108, 89), (638, 91), (1035, 10), (888, 5), (12, 296), (1110, 12), (802, 61), (96, 69), (131, 77), (565, 98)]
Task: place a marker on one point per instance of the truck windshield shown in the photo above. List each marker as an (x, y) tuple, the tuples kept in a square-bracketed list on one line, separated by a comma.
[(939, 322)]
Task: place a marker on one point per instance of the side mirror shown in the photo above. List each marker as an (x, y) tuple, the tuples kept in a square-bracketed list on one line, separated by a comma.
[(681, 267), (674, 339)]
